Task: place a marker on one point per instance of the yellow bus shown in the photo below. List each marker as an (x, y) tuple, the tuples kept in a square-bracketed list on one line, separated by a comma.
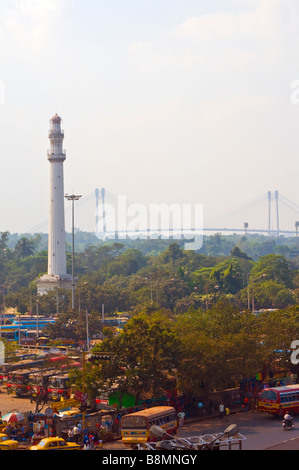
[(135, 427)]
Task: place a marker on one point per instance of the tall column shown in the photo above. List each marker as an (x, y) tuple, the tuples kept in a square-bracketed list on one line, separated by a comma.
[(57, 277), (56, 157)]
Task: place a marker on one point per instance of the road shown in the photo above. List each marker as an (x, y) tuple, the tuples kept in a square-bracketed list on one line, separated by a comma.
[(10, 403), (262, 432)]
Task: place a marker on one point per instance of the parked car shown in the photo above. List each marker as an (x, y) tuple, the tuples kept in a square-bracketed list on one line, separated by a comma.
[(6, 443), (55, 443)]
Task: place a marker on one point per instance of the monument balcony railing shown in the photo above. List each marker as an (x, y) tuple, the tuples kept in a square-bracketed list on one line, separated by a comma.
[(53, 134), (53, 155)]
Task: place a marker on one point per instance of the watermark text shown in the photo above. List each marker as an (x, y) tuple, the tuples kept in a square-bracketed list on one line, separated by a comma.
[(136, 221)]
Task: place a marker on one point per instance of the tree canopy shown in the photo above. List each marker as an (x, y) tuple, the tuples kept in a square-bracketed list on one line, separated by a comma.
[(189, 319)]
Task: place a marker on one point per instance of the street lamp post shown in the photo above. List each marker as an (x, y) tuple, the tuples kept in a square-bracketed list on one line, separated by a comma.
[(37, 320), (2, 312), (73, 198), (87, 331), (250, 286)]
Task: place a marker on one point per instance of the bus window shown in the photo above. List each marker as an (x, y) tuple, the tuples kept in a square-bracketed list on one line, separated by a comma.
[(283, 397), (138, 422)]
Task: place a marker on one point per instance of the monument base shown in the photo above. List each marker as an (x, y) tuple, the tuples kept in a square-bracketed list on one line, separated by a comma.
[(49, 283)]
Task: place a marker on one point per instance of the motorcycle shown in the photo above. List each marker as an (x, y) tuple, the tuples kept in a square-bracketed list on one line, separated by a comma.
[(287, 424)]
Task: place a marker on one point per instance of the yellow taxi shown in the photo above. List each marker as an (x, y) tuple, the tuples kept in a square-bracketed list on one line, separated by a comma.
[(55, 443), (6, 443)]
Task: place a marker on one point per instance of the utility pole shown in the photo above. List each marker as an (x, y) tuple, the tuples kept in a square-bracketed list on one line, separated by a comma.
[(37, 320), (87, 331)]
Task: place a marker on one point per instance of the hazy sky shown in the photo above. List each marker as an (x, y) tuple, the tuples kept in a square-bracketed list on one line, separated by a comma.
[(173, 101)]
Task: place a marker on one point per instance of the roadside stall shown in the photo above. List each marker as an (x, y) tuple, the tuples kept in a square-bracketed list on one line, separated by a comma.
[(15, 426), (41, 426)]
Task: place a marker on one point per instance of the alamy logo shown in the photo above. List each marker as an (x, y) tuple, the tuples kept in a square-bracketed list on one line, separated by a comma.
[(2, 353), (136, 221), (295, 352)]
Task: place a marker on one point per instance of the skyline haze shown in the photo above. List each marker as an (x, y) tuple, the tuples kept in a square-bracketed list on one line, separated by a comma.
[(162, 101)]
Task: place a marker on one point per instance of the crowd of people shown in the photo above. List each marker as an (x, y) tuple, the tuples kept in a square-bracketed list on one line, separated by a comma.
[(15, 431), (91, 440), (25, 429)]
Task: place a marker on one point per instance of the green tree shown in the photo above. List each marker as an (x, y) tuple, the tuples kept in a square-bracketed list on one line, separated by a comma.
[(278, 330), (274, 267), (4, 237), (268, 294), (72, 325), (172, 255), (236, 252), (87, 379), (24, 248), (219, 347), (143, 356)]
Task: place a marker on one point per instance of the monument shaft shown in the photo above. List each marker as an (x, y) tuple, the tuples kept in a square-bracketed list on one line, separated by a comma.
[(56, 157)]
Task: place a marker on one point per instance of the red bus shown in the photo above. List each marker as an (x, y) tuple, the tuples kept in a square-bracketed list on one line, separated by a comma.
[(58, 387), (18, 382), (278, 400)]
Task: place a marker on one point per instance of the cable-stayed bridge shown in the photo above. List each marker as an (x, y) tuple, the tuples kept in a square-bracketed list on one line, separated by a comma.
[(270, 214)]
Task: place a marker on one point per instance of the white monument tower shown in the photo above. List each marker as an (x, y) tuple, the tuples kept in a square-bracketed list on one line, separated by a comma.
[(57, 276)]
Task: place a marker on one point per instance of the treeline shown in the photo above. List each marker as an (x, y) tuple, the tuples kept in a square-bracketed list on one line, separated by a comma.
[(254, 245), (197, 352), (124, 278), (190, 321)]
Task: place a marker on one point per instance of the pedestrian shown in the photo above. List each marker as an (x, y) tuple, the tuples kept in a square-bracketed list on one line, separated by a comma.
[(71, 434), (246, 404), (96, 438), (181, 416), (91, 440), (221, 410), (76, 434), (86, 441), (8, 430), (227, 412)]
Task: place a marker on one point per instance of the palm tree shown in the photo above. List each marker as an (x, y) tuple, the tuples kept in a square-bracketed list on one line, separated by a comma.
[(24, 248)]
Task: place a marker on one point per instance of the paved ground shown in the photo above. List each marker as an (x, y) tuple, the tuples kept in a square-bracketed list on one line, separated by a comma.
[(10, 403), (291, 444)]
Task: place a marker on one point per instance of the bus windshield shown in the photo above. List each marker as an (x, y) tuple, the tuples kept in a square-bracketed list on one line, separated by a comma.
[(134, 422), (268, 395)]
